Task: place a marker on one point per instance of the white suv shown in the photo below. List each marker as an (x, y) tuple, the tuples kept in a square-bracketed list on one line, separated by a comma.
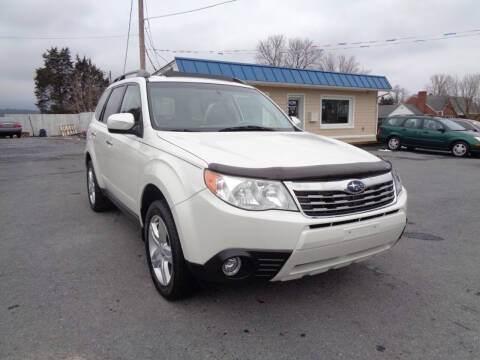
[(227, 188)]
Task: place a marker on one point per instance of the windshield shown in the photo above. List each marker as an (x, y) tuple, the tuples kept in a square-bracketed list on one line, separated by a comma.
[(207, 107), (452, 125), (465, 124)]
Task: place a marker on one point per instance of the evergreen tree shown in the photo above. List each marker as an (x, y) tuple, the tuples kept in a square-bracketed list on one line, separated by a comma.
[(62, 86), (52, 81)]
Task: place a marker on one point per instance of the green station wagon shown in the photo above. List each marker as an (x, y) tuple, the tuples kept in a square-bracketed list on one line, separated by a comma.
[(429, 133)]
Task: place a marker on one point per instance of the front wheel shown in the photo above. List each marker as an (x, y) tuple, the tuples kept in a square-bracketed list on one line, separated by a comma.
[(460, 149), (98, 201), (164, 253), (393, 143)]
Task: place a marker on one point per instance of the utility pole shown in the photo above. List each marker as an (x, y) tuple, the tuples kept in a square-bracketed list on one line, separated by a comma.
[(141, 34)]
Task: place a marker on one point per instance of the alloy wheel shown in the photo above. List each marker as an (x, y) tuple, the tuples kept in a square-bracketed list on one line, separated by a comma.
[(91, 185), (160, 251)]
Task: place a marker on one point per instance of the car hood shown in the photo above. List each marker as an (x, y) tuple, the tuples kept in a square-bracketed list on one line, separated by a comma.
[(267, 149)]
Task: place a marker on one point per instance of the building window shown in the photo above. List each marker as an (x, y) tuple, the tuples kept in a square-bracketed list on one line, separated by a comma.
[(337, 112)]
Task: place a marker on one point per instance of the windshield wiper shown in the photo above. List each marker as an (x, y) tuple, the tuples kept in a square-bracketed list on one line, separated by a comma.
[(247, 128)]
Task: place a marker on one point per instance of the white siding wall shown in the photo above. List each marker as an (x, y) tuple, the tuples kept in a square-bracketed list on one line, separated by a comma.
[(32, 123)]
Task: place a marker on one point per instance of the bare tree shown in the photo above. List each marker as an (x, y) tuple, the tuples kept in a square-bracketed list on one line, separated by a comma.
[(301, 54), (271, 51), (440, 84), (341, 63), (87, 84), (399, 94), (466, 93)]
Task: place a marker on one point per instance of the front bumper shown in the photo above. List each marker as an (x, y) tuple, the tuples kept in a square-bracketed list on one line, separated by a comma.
[(209, 229), (475, 148), (10, 131)]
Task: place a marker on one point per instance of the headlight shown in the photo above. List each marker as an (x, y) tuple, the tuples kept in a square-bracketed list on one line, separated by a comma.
[(397, 181), (477, 138), (250, 194)]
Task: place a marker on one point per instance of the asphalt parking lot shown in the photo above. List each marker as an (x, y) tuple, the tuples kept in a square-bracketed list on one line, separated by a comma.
[(74, 284)]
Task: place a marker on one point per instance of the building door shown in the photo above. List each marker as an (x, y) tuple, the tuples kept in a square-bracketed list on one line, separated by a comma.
[(296, 107)]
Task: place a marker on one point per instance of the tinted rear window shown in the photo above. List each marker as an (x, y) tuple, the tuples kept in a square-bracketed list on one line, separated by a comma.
[(394, 121)]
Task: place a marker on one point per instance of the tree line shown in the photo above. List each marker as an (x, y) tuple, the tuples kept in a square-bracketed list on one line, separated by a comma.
[(277, 50), (64, 86)]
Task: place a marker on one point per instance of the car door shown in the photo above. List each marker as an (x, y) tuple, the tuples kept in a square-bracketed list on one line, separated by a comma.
[(410, 133), (124, 150), (101, 133), (97, 134), (433, 134)]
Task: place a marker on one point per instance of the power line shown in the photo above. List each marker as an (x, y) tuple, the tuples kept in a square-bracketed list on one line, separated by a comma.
[(190, 11), (148, 30), (128, 36), (339, 46), (62, 37), (149, 59)]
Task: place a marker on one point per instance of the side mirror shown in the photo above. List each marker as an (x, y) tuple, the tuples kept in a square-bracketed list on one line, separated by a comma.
[(296, 121), (442, 130), (120, 123)]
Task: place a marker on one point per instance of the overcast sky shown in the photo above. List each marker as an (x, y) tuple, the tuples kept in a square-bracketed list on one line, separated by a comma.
[(238, 25)]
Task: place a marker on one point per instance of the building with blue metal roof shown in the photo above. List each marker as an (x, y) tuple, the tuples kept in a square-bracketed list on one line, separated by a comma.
[(339, 105)]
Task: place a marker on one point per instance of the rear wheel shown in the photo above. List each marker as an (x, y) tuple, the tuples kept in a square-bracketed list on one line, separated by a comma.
[(19, 135), (164, 253), (393, 143), (98, 201), (460, 149)]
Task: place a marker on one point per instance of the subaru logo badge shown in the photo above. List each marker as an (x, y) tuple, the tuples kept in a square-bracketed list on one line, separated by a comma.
[(355, 187)]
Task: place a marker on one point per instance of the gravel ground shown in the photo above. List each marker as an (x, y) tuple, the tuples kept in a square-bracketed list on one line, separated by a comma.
[(75, 284)]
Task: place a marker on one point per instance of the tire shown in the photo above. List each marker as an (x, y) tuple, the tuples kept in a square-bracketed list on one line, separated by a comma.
[(19, 135), (460, 149), (167, 265), (98, 201), (393, 143)]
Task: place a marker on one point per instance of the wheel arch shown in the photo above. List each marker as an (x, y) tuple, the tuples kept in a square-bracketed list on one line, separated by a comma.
[(88, 158), (452, 142), (150, 194)]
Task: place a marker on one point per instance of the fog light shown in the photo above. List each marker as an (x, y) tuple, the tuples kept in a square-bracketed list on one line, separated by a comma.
[(231, 266)]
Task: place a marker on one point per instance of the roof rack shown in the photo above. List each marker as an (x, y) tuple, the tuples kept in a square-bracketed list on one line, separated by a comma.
[(172, 73), (141, 73)]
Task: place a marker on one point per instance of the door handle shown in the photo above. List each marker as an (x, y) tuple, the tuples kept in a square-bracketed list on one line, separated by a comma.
[(108, 143)]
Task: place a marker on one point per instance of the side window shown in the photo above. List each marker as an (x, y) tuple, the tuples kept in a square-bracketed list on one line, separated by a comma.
[(430, 124), (101, 102), (132, 103), (113, 104), (413, 123), (395, 121)]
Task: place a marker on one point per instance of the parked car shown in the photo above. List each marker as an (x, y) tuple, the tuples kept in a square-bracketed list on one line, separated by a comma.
[(227, 188), (428, 132), (468, 124), (9, 127)]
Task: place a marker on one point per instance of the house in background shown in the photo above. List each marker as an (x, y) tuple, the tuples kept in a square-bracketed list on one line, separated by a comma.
[(443, 106), (339, 105), (385, 111)]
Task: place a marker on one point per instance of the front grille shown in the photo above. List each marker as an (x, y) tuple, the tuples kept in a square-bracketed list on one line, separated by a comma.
[(329, 203)]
